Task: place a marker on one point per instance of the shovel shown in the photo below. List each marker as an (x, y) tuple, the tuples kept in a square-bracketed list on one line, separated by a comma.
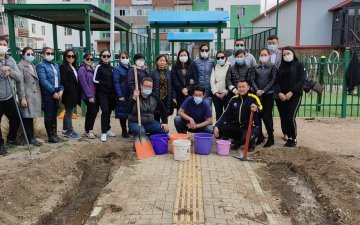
[(143, 145), (247, 141)]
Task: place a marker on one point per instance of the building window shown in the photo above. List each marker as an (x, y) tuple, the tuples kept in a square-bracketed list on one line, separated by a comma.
[(241, 11), (33, 28), (219, 9), (122, 12), (105, 1), (165, 47), (142, 30), (20, 42), (21, 24), (68, 46), (200, 1), (139, 12), (68, 31), (92, 46), (30, 44), (106, 35), (43, 30)]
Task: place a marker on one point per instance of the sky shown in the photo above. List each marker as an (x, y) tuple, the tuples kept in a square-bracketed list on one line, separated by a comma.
[(270, 3)]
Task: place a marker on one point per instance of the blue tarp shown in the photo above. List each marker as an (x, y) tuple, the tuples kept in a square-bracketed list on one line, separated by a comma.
[(188, 17), (191, 36)]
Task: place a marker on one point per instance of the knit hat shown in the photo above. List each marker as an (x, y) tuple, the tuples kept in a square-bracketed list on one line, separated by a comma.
[(138, 56)]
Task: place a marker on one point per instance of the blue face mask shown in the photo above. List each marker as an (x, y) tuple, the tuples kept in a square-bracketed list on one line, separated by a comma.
[(146, 91), (272, 48), (240, 61), (30, 58), (198, 100), (239, 48), (221, 62)]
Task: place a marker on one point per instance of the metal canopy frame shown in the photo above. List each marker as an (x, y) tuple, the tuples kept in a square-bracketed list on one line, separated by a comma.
[(184, 20), (82, 17)]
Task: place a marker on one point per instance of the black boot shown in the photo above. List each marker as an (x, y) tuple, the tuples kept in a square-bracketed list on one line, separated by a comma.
[(270, 140), (260, 139), (3, 150), (35, 142), (125, 134), (235, 146), (291, 143)]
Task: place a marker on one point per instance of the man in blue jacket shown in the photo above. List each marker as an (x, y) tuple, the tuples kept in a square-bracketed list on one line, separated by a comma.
[(203, 66), (234, 122)]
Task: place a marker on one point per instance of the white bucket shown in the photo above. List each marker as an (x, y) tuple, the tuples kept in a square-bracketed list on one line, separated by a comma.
[(182, 150)]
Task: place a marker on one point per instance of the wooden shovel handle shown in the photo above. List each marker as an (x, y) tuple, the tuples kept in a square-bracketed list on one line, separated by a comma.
[(248, 134), (137, 99)]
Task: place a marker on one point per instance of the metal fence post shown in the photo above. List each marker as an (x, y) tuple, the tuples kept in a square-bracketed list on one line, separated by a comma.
[(321, 81), (344, 88)]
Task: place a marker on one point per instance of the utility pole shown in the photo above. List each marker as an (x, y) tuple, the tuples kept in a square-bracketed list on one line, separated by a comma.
[(112, 28), (277, 18)]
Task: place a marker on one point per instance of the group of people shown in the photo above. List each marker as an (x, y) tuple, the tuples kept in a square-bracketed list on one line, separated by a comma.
[(235, 86)]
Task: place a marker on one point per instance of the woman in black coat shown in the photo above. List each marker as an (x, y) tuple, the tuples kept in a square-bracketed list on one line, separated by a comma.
[(72, 91), (183, 77), (161, 76), (289, 90)]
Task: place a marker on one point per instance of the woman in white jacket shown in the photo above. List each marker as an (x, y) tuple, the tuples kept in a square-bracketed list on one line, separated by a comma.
[(218, 84)]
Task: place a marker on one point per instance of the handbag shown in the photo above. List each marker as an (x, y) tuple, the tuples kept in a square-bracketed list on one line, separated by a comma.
[(311, 85)]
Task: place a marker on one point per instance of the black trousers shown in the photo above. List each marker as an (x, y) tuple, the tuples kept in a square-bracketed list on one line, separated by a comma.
[(107, 105), (267, 102), (51, 107), (91, 113), (220, 105), (29, 127), (238, 133), (157, 116), (123, 125), (288, 111), (8, 109)]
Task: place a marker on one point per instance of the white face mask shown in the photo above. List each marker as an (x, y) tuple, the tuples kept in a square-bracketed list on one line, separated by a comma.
[(183, 59), (140, 63), (49, 58), (264, 59), (125, 61), (289, 58), (204, 55), (3, 49)]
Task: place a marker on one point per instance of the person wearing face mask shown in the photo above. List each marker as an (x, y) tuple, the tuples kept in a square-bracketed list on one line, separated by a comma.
[(194, 114), (86, 75), (9, 70), (218, 83), (249, 58), (122, 91), (51, 92), (263, 77), (203, 67), (72, 92), (275, 53), (183, 77), (234, 122), (149, 104), (161, 76), (105, 93), (142, 72), (236, 72), (30, 89), (289, 90)]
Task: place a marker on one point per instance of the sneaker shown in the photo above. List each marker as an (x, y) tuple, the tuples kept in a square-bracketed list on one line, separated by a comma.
[(66, 133), (74, 136), (125, 135), (109, 133), (35, 142), (291, 143), (3, 150), (15, 142), (103, 137), (90, 135)]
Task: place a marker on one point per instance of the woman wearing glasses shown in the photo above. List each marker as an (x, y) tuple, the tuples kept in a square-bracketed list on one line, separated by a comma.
[(51, 92), (30, 88), (218, 85), (105, 93), (71, 96), (122, 91), (86, 74), (203, 66)]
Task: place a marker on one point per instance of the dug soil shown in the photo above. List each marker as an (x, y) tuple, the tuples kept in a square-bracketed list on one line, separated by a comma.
[(314, 187), (59, 186)]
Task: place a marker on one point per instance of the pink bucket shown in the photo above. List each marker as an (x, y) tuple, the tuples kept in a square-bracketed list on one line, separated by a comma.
[(223, 147)]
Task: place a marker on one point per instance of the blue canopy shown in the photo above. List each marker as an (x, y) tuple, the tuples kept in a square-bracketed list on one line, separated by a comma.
[(188, 17), (190, 36)]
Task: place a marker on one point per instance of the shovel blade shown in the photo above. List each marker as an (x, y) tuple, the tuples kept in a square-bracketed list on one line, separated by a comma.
[(143, 147)]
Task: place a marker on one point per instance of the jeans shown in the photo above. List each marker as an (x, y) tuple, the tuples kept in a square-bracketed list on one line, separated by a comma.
[(180, 125), (152, 128), (8, 109), (91, 112), (67, 122)]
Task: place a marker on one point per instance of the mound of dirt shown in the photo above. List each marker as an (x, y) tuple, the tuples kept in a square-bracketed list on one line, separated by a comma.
[(66, 182), (326, 188)]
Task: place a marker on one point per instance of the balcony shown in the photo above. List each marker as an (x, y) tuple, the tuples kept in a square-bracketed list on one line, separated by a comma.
[(183, 2)]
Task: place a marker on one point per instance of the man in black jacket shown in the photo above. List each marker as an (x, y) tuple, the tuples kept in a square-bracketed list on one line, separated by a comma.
[(234, 122), (148, 104)]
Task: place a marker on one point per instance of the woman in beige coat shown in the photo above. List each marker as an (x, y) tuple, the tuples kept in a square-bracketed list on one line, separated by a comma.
[(30, 89)]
